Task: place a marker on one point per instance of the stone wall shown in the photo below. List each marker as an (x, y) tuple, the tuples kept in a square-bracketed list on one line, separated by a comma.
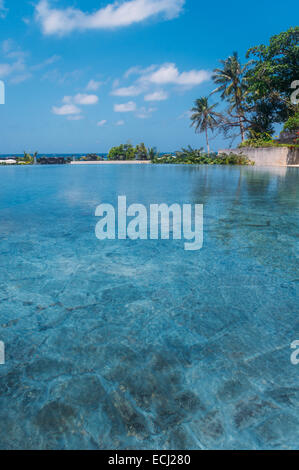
[(268, 156)]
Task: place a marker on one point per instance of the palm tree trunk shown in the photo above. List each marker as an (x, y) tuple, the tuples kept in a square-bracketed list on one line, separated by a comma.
[(240, 115), (242, 128), (207, 139)]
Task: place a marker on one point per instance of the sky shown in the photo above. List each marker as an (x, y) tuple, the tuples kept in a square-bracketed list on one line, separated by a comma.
[(84, 75)]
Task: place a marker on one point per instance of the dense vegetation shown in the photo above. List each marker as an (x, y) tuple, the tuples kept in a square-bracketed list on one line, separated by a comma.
[(128, 152), (192, 156), (268, 141), (257, 94), (27, 159), (292, 124), (91, 157)]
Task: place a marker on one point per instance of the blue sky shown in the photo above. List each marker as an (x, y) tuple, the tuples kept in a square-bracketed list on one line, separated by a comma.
[(83, 75)]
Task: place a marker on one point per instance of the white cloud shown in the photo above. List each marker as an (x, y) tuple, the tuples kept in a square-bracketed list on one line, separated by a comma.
[(66, 110), (137, 70), (93, 85), (193, 78), (114, 15), (154, 76), (125, 107), (101, 123), (85, 99), (169, 74), (120, 123), (70, 103), (3, 10), (82, 99), (128, 91), (156, 96)]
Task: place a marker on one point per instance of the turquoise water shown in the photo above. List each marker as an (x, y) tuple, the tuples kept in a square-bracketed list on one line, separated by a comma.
[(139, 344)]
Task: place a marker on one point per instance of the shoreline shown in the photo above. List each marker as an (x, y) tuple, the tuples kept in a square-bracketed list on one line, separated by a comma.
[(113, 162)]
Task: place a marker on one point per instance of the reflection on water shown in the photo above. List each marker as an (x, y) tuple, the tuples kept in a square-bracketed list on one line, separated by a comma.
[(123, 344), (260, 209)]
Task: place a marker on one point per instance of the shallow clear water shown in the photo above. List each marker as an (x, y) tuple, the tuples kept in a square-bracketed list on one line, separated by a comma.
[(140, 344)]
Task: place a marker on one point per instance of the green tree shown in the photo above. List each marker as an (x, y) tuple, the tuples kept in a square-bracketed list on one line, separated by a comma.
[(204, 117), (141, 152), (28, 158), (152, 153), (232, 82), (122, 152), (275, 67)]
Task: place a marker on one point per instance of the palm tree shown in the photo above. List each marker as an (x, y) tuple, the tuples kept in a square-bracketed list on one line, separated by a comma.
[(204, 118), (141, 152), (152, 153), (232, 82)]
